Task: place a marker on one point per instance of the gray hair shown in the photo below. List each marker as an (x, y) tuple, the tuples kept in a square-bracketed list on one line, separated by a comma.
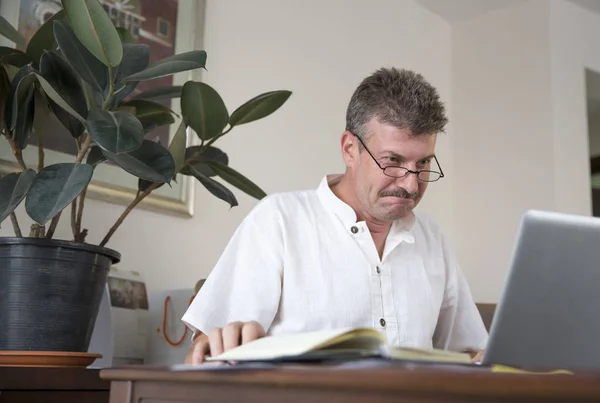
[(401, 98)]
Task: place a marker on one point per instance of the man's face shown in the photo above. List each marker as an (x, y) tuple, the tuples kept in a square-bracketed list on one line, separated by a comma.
[(381, 197)]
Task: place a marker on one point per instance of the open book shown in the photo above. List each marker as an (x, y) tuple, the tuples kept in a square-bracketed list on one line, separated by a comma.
[(333, 344)]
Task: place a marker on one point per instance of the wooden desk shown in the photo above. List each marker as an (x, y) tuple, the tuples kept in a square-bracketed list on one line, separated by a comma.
[(48, 385), (408, 383)]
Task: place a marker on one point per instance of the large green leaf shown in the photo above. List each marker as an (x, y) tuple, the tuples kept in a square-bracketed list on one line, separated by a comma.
[(177, 147), (259, 107), (199, 155), (90, 69), (158, 93), (64, 80), (92, 97), (43, 39), (95, 30), (19, 91), (13, 189), (151, 162), (25, 116), (51, 92), (54, 188), (204, 108), (118, 132), (14, 57), (19, 110), (123, 92), (136, 58), (10, 33), (194, 59), (238, 180), (4, 92), (24, 79), (216, 188), (144, 184), (150, 114)]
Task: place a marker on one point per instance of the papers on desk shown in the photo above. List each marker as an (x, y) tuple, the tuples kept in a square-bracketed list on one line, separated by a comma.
[(333, 345), (216, 366), (355, 364)]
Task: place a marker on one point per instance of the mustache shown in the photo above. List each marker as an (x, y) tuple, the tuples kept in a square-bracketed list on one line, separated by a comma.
[(400, 192)]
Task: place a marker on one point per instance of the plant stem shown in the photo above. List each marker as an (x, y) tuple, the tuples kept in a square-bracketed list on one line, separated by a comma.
[(17, 153), (15, 224), (53, 225), (73, 219), (80, 210), (131, 206), (40, 143), (37, 231), (84, 148)]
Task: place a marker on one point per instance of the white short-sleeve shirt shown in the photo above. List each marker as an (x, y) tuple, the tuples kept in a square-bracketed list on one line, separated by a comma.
[(301, 262)]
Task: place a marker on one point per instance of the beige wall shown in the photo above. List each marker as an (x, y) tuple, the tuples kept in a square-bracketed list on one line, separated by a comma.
[(512, 79), (502, 114), (320, 51), (519, 101), (574, 39)]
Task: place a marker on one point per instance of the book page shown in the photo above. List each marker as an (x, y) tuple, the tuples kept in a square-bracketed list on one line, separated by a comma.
[(417, 354), (272, 347)]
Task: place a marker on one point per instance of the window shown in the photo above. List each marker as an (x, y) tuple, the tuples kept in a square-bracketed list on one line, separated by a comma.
[(163, 28)]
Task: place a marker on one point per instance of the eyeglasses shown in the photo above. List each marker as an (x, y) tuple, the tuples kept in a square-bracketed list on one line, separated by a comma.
[(401, 172)]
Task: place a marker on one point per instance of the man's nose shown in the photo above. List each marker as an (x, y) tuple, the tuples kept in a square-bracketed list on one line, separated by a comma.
[(410, 182)]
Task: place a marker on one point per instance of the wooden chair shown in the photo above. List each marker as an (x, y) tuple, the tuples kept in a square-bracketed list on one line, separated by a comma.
[(487, 313)]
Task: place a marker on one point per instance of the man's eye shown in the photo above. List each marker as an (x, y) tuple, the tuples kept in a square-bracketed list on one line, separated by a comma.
[(425, 162), (392, 160)]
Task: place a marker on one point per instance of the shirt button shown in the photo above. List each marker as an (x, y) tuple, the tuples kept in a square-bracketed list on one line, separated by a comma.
[(378, 270), (382, 322), (354, 229)]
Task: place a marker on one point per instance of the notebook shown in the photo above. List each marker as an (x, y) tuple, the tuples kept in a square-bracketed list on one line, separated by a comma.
[(331, 345)]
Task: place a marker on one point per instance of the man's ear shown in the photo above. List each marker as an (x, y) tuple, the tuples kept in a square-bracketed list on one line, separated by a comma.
[(349, 148)]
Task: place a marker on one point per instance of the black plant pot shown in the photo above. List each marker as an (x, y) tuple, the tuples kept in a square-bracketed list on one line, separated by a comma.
[(50, 293)]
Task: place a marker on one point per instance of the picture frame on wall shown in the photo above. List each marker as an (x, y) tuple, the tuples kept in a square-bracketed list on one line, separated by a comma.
[(168, 27)]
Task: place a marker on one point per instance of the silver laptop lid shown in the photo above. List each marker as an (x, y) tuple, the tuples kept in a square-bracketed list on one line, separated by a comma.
[(549, 313)]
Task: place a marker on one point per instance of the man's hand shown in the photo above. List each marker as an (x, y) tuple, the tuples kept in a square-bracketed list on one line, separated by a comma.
[(220, 340), (478, 357)]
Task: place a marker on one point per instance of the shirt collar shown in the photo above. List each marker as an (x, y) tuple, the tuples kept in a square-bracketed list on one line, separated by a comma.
[(401, 230)]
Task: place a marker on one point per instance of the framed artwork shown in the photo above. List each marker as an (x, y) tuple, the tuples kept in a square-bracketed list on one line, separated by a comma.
[(167, 27)]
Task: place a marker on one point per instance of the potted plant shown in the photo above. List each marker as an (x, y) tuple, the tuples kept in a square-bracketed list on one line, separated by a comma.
[(82, 69)]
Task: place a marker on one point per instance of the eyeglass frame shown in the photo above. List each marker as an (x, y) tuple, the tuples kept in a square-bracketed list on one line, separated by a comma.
[(408, 171)]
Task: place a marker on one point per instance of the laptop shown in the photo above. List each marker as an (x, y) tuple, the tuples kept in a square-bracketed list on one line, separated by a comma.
[(549, 314)]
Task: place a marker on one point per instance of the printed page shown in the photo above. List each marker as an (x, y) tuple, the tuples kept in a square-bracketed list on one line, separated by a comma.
[(272, 347)]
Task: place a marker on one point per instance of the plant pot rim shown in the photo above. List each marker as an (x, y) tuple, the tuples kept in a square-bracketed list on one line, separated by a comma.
[(62, 243)]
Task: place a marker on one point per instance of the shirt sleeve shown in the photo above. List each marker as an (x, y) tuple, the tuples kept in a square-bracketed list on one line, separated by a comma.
[(245, 284), (460, 326)]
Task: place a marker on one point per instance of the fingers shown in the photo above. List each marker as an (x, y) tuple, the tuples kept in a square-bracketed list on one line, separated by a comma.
[(220, 340), (478, 357), (215, 341), (199, 350), (252, 331), (231, 335)]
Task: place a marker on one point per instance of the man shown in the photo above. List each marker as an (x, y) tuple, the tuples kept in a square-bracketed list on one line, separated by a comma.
[(352, 253)]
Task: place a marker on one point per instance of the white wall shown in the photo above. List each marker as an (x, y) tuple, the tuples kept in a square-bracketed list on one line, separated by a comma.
[(574, 37), (320, 51), (521, 142), (513, 80), (503, 147)]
